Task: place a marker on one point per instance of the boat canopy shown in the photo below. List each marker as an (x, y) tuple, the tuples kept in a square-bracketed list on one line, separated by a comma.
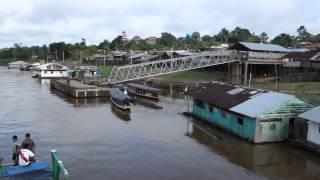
[(118, 94), (140, 86)]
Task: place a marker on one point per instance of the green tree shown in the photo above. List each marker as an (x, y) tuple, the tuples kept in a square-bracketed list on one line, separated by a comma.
[(263, 37), (117, 44), (303, 34), (285, 40), (105, 44), (167, 40), (207, 41), (196, 35), (240, 34), (223, 36)]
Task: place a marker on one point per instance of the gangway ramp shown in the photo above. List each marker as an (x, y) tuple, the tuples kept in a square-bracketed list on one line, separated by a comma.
[(156, 68)]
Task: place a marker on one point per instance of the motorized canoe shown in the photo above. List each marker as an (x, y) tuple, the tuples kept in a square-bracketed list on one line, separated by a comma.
[(143, 91), (120, 100)]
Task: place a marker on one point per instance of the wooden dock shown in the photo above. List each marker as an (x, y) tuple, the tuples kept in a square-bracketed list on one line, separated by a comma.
[(76, 89)]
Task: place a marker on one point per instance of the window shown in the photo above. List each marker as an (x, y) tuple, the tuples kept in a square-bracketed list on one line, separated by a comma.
[(273, 126), (211, 108), (240, 121), (200, 104), (60, 72), (223, 113), (45, 72), (51, 72)]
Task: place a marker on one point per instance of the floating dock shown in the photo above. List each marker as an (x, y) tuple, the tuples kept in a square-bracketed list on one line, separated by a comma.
[(76, 89)]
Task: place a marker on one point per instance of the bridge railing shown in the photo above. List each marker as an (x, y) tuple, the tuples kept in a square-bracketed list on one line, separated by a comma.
[(155, 68), (58, 170)]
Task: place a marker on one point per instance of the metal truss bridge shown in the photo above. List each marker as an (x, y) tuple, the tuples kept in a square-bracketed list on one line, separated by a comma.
[(150, 69)]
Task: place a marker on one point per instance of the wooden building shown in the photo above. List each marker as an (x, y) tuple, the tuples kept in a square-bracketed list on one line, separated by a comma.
[(312, 118), (256, 115), (52, 70)]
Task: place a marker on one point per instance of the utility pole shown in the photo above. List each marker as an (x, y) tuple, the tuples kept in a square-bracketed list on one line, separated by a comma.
[(275, 68), (56, 55), (80, 57), (131, 56), (104, 57), (62, 57)]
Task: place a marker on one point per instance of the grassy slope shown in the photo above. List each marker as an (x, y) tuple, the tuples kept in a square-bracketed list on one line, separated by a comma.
[(193, 75), (307, 90), (105, 70)]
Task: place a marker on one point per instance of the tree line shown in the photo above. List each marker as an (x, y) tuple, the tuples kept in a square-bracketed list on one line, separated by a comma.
[(167, 41)]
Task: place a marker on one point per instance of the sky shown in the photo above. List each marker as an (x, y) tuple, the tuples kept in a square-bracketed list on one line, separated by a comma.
[(38, 22)]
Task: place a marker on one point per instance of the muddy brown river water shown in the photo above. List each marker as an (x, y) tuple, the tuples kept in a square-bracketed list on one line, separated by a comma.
[(95, 141)]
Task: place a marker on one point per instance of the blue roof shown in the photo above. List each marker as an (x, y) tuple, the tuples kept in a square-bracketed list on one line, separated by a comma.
[(261, 103), (264, 47)]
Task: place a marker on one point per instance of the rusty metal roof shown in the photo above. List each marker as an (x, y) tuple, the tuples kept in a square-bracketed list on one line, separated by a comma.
[(223, 95)]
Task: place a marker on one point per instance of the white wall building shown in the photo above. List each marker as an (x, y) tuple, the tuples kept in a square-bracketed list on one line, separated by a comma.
[(313, 118), (17, 65), (52, 70)]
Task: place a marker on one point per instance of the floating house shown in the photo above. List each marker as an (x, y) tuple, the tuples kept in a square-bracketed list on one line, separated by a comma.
[(256, 115), (17, 65), (52, 70), (313, 120)]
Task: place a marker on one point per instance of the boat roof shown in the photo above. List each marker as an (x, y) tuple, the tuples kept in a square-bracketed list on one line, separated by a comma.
[(118, 94), (140, 86)]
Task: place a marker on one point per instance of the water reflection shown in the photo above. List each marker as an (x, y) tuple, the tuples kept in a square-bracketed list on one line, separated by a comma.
[(274, 161), (80, 102), (123, 115), (147, 103)]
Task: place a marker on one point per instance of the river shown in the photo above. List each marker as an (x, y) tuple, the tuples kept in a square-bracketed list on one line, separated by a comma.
[(94, 141)]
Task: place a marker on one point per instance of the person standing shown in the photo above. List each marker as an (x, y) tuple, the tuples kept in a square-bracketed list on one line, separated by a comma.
[(29, 143), (15, 148)]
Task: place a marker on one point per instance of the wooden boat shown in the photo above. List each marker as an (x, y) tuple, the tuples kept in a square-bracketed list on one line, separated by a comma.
[(35, 76), (139, 90), (10, 170), (120, 100)]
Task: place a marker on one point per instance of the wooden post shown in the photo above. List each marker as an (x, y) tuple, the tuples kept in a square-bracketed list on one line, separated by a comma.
[(62, 57), (104, 57), (245, 73)]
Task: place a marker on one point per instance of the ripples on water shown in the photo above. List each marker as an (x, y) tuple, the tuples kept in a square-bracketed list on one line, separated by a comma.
[(95, 141)]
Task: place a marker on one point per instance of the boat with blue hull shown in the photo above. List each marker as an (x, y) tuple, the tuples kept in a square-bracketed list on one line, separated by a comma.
[(58, 170), (9, 170), (120, 100)]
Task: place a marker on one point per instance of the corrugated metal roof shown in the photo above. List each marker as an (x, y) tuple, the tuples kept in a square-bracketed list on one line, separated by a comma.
[(222, 95), (301, 55), (312, 115), (261, 103), (264, 47)]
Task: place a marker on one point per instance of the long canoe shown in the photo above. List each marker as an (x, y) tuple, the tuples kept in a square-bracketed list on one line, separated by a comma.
[(10, 170)]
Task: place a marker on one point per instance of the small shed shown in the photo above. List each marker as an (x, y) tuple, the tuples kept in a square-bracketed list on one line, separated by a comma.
[(256, 115), (313, 118)]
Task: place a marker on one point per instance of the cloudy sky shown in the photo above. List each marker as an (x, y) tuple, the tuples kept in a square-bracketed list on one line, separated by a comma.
[(37, 22)]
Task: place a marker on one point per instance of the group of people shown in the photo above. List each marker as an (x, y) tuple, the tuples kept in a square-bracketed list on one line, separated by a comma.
[(22, 154)]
